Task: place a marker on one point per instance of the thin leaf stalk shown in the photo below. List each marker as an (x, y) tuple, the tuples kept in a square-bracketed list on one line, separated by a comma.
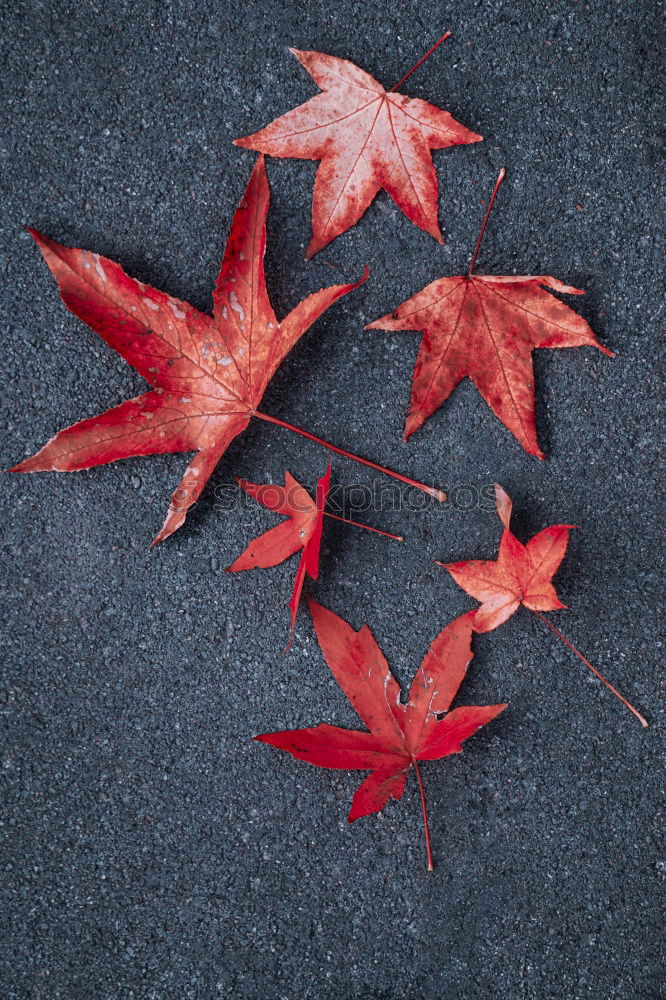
[(366, 527), (430, 490), (500, 178), (596, 673), (447, 34), (424, 807)]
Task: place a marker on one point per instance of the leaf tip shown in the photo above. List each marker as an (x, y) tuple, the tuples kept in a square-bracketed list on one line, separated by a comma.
[(415, 419), (259, 170), (174, 520), (410, 428), (316, 244), (292, 629), (261, 738), (36, 235)]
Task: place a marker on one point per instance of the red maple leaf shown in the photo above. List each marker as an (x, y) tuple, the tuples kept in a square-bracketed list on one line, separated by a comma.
[(208, 374), (302, 530), (521, 574), (485, 327), (400, 735), (367, 138)]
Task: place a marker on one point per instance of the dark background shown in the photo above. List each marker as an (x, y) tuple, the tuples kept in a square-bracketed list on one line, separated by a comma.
[(152, 850)]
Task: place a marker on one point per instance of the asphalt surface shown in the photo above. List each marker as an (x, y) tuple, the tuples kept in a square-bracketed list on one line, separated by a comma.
[(151, 849)]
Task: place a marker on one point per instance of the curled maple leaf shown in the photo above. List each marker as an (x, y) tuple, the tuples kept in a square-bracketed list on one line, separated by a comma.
[(485, 327), (301, 531), (400, 735), (521, 574), (367, 138)]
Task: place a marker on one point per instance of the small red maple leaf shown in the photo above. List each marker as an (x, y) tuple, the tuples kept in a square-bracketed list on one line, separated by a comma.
[(521, 574), (400, 735), (367, 138), (208, 374), (301, 531), (485, 327)]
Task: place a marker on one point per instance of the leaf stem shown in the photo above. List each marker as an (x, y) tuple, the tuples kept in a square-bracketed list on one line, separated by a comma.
[(587, 663), (447, 34), (499, 180), (357, 524), (430, 490), (424, 807)]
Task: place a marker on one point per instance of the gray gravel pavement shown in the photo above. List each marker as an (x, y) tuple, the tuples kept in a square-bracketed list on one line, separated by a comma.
[(151, 849)]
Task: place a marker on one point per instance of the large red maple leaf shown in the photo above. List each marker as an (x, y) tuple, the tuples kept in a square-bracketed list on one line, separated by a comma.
[(400, 735), (208, 374), (521, 575), (367, 138), (485, 327)]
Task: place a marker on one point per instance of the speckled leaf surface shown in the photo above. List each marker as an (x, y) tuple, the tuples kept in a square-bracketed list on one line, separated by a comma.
[(485, 327), (367, 138)]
